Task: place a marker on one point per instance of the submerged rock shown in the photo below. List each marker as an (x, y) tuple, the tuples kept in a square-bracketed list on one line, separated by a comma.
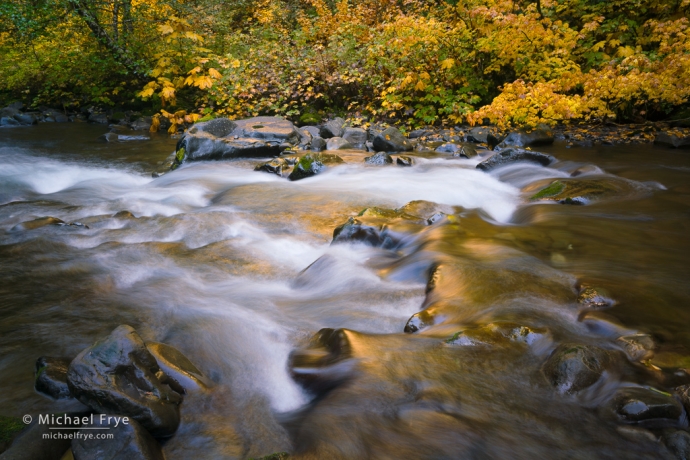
[(540, 136), (51, 377), (222, 138), (509, 156), (38, 223), (449, 147), (129, 441), (377, 227), (420, 320), (323, 363), (499, 333), (118, 375), (318, 144), (637, 405), (391, 140), (678, 442), (177, 367), (312, 164), (379, 159), (638, 347), (573, 367), (582, 191)]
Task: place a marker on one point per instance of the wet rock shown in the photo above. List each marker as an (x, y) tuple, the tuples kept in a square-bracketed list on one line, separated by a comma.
[(482, 135), (333, 128), (582, 191), (177, 366), (98, 118), (305, 138), (318, 144), (379, 159), (38, 223), (357, 137), (425, 209), (678, 442), (594, 298), (312, 164), (466, 151), (573, 367), (403, 160), (357, 230), (420, 320), (449, 148), (51, 377), (499, 333), (117, 375), (671, 139), (323, 364), (45, 441), (221, 138), (109, 137), (277, 166), (9, 112), (129, 441), (124, 215), (644, 405), (603, 324), (391, 140), (337, 143), (638, 347), (509, 156), (540, 136)]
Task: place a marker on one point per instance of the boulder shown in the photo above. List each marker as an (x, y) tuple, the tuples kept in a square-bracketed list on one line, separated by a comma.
[(313, 131), (466, 151), (403, 160), (337, 143), (118, 375), (109, 137), (318, 144), (17, 105), (277, 166), (305, 138), (141, 124), (594, 298), (51, 377), (573, 367), (333, 128), (222, 138), (509, 156), (54, 116), (379, 159), (391, 140), (99, 118), (683, 394), (9, 112), (542, 135), (8, 121), (482, 135), (38, 223), (417, 133), (449, 147), (419, 321), (671, 139), (129, 441), (636, 405), (27, 118), (177, 367), (357, 137), (312, 164), (498, 334), (638, 347)]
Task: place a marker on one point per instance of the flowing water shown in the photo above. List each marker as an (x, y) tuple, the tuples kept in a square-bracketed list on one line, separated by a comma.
[(211, 259)]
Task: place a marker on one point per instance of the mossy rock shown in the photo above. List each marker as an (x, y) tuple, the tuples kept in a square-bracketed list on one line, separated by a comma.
[(583, 191), (118, 116), (312, 164), (9, 427)]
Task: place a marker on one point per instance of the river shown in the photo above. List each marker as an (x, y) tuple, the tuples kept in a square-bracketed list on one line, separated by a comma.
[(211, 259)]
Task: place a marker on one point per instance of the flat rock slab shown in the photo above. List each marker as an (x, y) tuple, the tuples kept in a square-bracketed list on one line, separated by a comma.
[(508, 156)]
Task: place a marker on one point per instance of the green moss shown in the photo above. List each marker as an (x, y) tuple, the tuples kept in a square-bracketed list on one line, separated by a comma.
[(9, 427), (305, 162), (117, 116), (179, 156), (379, 212), (454, 337), (40, 371), (552, 190), (206, 118), (310, 118)]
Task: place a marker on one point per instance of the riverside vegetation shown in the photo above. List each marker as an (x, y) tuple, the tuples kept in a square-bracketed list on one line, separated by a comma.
[(447, 62)]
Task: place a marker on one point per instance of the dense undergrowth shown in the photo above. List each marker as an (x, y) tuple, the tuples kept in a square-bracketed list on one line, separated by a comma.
[(511, 62)]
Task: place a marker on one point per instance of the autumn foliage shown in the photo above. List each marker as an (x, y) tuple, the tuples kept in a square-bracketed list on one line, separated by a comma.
[(511, 62)]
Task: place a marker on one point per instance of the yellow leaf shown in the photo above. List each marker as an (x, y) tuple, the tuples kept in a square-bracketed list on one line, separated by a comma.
[(165, 29), (424, 75), (196, 69), (235, 63), (172, 129), (420, 85), (203, 82), (148, 92), (155, 124), (214, 73), (189, 81), (447, 63)]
